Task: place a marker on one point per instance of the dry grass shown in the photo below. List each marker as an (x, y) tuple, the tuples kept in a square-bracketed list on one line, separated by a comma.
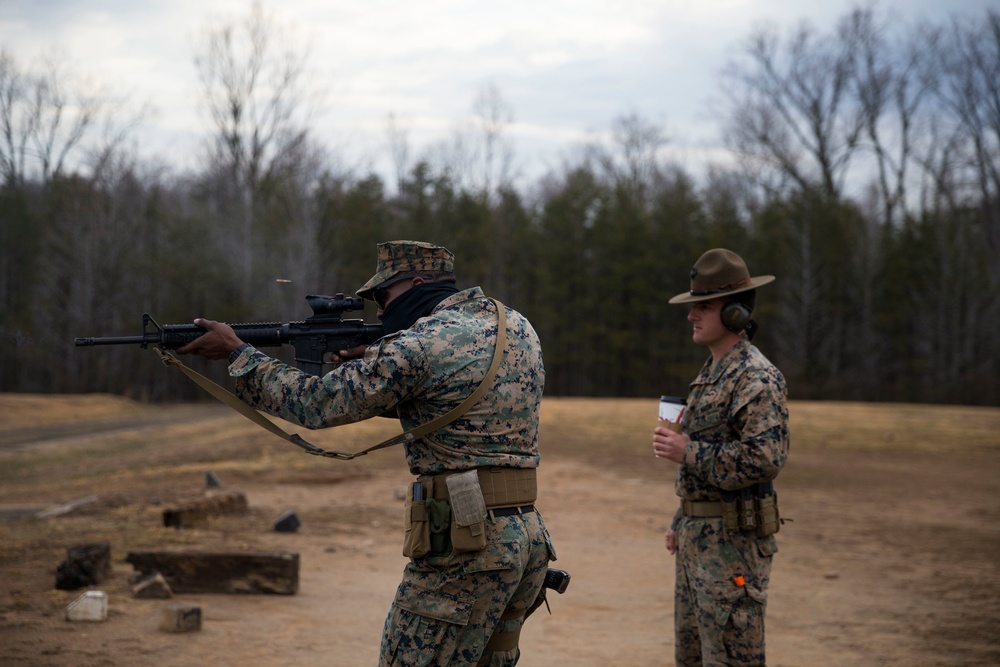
[(870, 426), (32, 410), (609, 432), (616, 433), (139, 459), (129, 465), (866, 484)]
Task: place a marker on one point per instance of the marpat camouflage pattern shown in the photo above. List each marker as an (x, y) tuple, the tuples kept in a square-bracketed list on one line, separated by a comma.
[(737, 419), (419, 374), (449, 604)]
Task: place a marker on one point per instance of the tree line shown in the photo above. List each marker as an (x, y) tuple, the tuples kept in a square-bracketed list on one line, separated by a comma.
[(864, 173)]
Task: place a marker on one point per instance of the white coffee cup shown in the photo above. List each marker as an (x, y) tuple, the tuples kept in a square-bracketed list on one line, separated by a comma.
[(671, 410)]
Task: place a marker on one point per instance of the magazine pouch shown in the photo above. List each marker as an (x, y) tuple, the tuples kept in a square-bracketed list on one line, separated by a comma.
[(416, 528), (468, 512), (768, 517)]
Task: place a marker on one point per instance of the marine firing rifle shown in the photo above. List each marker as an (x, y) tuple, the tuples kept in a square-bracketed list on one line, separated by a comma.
[(314, 339)]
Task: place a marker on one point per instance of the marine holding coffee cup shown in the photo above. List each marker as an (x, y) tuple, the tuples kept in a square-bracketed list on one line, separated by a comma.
[(733, 442)]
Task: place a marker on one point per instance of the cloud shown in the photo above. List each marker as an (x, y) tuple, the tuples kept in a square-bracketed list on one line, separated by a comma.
[(566, 67)]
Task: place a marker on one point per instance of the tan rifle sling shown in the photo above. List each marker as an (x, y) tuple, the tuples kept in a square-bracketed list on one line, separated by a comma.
[(170, 359)]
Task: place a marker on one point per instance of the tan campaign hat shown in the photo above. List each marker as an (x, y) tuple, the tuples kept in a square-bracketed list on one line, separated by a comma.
[(395, 257), (717, 273)]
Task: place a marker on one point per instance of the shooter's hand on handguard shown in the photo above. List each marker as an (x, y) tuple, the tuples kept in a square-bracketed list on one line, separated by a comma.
[(218, 341)]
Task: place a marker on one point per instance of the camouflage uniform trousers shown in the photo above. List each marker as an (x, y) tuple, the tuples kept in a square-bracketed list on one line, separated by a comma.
[(717, 621), (448, 606)]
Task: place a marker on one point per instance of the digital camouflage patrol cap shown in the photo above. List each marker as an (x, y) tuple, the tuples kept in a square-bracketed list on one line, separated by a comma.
[(718, 273), (395, 257)]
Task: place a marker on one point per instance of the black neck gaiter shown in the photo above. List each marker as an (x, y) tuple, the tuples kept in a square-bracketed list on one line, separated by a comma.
[(413, 304)]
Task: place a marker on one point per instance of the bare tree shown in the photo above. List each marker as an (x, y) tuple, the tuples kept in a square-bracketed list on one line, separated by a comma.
[(892, 91), (477, 157), (634, 161), (971, 93), (963, 165), (44, 117), (791, 111), (254, 79), (399, 148), (494, 114), (14, 120)]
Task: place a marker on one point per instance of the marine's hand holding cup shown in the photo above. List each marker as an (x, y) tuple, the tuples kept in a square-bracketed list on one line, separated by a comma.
[(669, 444)]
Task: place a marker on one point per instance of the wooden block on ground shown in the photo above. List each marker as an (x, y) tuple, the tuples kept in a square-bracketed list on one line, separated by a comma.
[(153, 587), (180, 618), (85, 565), (198, 511), (66, 508), (225, 572)]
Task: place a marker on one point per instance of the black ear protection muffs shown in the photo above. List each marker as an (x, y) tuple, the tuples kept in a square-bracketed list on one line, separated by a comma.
[(736, 314)]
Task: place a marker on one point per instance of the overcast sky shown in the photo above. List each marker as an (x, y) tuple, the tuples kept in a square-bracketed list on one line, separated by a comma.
[(566, 68)]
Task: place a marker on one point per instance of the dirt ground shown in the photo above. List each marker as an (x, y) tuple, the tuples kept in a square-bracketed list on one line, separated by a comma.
[(891, 557)]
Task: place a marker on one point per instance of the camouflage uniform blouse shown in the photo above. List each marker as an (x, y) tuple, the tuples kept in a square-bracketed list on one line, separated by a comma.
[(737, 419), (419, 374)]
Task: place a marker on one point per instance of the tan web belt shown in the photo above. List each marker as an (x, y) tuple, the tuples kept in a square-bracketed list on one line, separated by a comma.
[(701, 509), (502, 487)]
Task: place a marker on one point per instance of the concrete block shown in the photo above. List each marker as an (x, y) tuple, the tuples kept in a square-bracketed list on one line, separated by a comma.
[(287, 522), (152, 587), (180, 618), (91, 606)]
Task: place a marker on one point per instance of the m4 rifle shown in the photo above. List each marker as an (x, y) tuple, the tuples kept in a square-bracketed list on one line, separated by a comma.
[(315, 338)]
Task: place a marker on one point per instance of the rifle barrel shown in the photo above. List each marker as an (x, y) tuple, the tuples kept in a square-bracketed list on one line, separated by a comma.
[(114, 340)]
